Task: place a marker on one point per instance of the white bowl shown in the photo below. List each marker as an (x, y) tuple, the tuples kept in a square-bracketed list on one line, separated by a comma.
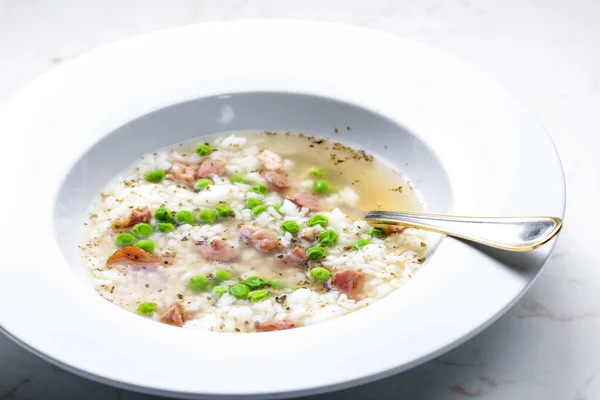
[(468, 145)]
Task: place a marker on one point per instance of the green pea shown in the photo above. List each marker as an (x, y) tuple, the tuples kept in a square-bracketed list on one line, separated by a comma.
[(290, 226), (253, 282), (237, 178), (146, 245), (142, 230), (320, 187), (156, 176), (220, 290), (317, 219), (277, 207), (256, 211), (198, 283), (251, 203), (207, 216), (165, 227), (184, 217), (260, 189), (163, 215), (258, 295), (146, 309), (223, 210), (328, 238), (316, 252), (124, 239), (222, 275), (377, 232), (274, 283), (204, 150), (317, 172), (203, 183), (319, 274), (361, 243), (239, 291)]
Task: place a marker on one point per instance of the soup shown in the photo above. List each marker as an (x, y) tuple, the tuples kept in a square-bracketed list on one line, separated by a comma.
[(250, 232)]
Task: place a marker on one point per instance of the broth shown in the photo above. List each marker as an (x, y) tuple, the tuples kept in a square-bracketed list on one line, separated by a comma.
[(198, 248)]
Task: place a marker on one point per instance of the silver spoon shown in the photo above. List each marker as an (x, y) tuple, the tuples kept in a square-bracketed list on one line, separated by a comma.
[(512, 234)]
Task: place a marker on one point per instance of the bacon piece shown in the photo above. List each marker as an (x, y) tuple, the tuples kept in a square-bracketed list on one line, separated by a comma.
[(270, 160), (389, 229), (275, 326), (139, 214), (348, 281), (173, 315), (210, 167), (294, 257), (219, 250), (132, 255), (184, 172), (277, 180), (306, 199), (308, 234), (264, 240)]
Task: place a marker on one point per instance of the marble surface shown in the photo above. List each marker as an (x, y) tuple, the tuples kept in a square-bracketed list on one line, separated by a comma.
[(547, 52)]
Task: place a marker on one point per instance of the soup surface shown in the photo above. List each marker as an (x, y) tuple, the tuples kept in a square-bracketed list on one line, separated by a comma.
[(250, 232)]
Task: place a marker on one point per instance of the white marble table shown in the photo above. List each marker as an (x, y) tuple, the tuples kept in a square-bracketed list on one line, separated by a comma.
[(547, 52)]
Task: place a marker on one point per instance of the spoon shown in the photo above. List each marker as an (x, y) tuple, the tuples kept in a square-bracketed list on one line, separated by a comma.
[(512, 233)]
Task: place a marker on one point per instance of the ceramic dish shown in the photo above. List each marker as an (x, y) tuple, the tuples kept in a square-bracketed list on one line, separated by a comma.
[(468, 145)]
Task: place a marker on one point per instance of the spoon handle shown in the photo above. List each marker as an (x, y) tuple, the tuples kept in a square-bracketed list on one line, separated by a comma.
[(512, 234)]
